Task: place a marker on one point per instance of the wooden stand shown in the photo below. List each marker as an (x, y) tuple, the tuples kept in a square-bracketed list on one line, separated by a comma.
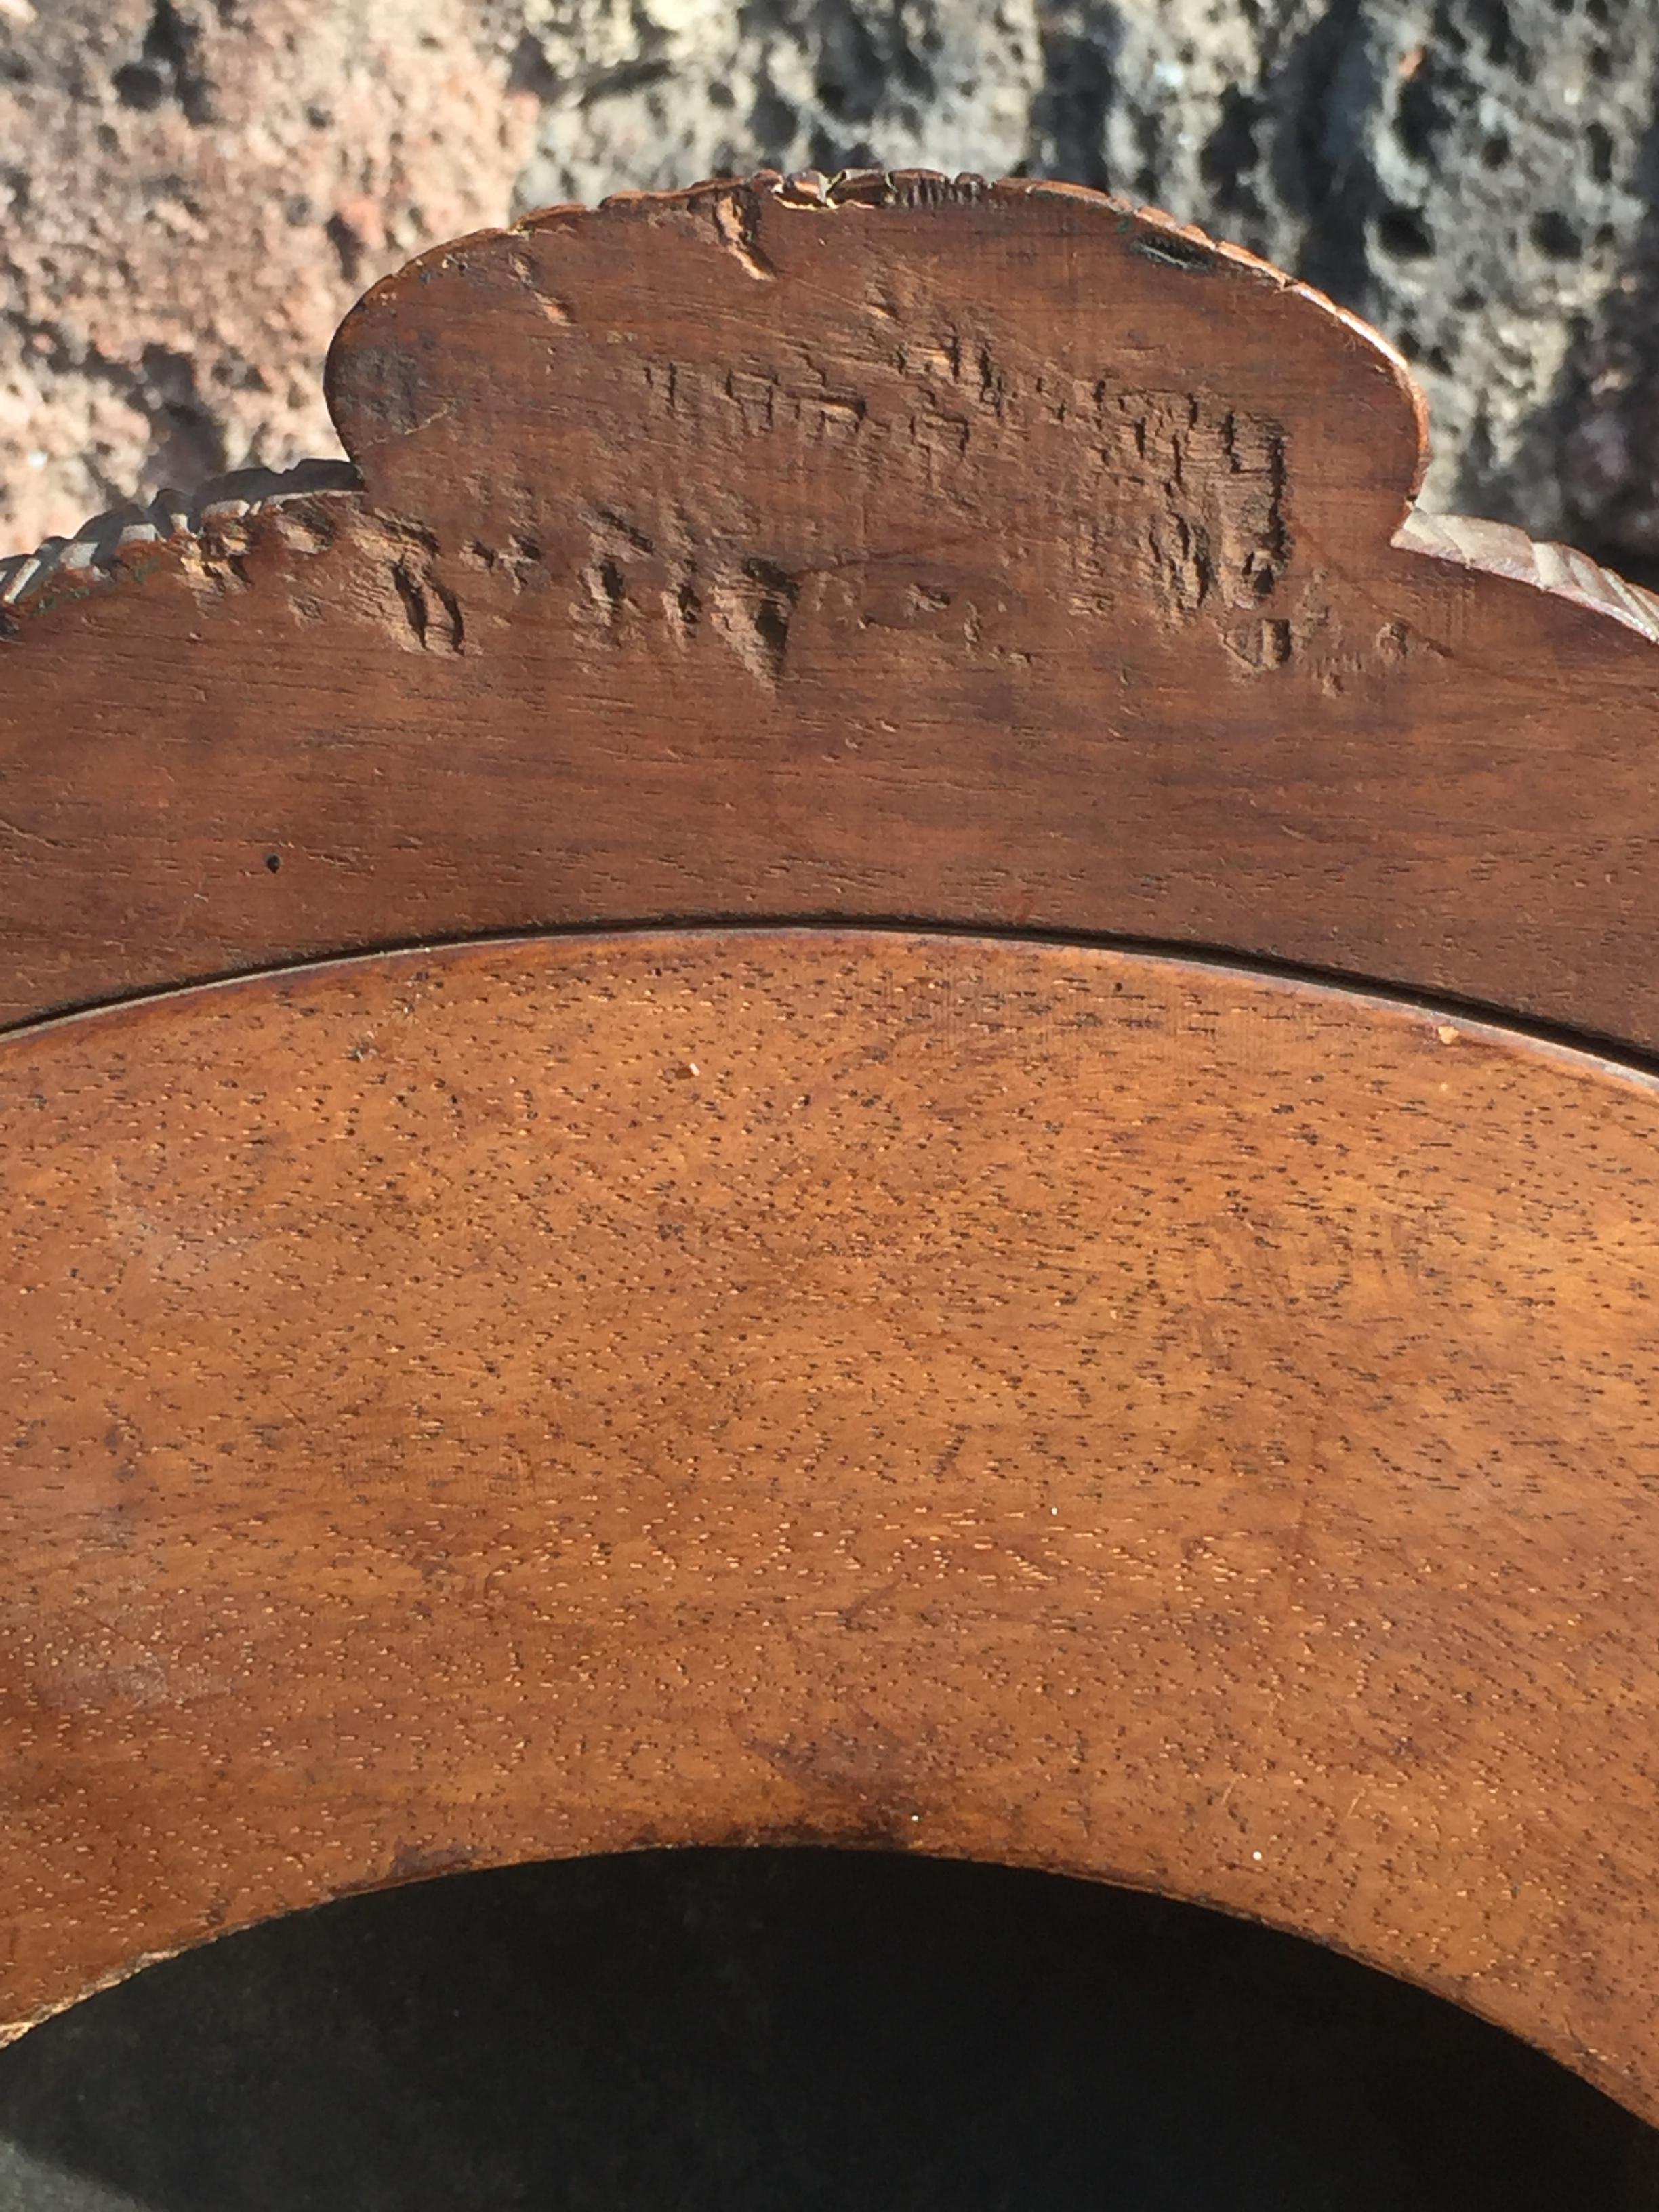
[(1009, 1206)]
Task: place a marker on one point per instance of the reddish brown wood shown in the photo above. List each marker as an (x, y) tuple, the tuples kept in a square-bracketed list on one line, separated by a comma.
[(900, 548), (1063, 1406), (1056, 1405)]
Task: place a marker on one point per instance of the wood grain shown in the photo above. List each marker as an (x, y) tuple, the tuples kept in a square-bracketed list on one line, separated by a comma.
[(1059, 1405), (891, 549)]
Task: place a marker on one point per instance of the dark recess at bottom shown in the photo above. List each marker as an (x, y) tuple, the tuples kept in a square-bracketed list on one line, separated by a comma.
[(790, 2032)]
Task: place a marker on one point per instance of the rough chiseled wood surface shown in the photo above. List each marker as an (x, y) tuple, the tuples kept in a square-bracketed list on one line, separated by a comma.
[(1053, 1405), (893, 549)]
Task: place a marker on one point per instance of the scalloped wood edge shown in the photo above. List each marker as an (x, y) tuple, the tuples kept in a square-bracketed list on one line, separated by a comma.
[(1498, 548), (93, 553), (101, 550)]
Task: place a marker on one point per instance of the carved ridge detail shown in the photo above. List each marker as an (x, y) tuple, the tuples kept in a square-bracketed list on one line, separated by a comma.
[(95, 554), (1499, 549)]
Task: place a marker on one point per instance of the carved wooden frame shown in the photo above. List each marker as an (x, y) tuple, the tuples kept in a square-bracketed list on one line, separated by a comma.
[(1006, 1206)]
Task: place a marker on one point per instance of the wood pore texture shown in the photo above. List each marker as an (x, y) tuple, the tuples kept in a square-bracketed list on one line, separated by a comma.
[(1041, 1404), (932, 1379)]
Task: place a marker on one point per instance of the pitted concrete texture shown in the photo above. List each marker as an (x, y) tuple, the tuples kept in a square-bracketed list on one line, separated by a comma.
[(194, 190), (190, 197)]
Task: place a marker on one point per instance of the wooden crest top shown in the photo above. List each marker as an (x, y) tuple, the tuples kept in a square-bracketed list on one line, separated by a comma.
[(882, 548)]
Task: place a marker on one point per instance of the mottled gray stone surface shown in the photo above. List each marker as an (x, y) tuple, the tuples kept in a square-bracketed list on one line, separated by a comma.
[(193, 190)]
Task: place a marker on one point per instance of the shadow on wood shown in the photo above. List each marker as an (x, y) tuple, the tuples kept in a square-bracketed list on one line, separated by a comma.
[(729, 2032)]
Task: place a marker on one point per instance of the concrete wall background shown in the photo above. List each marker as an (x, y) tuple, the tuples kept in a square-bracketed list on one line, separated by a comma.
[(191, 191)]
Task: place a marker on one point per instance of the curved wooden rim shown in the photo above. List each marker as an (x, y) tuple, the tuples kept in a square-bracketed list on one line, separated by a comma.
[(1609, 1051), (1017, 1402)]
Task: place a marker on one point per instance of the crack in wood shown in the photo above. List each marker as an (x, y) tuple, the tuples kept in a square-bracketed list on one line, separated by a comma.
[(734, 221)]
